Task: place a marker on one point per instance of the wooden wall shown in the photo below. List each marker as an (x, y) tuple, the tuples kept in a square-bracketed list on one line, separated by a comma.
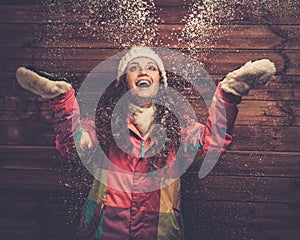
[(252, 193)]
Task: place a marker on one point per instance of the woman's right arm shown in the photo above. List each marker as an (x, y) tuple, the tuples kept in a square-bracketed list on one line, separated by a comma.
[(72, 133)]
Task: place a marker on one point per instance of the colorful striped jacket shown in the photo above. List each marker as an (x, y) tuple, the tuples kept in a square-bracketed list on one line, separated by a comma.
[(124, 202)]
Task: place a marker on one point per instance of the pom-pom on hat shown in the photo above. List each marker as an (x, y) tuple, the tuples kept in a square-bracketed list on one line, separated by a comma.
[(136, 52)]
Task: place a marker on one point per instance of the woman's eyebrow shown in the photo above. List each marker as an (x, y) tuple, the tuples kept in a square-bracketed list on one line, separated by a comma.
[(136, 63), (133, 63)]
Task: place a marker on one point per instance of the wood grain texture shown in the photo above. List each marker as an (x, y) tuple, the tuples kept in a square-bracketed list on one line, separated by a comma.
[(235, 36), (170, 12), (253, 192)]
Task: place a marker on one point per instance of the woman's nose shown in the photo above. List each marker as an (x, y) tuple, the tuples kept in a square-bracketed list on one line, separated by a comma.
[(143, 71)]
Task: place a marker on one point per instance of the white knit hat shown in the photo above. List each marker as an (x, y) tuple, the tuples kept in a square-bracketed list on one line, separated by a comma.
[(136, 52)]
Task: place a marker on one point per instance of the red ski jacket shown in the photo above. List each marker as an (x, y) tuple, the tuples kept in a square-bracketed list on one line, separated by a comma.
[(125, 202)]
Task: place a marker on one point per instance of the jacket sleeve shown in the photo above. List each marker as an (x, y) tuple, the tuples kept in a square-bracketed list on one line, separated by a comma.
[(220, 121), (216, 134), (68, 126)]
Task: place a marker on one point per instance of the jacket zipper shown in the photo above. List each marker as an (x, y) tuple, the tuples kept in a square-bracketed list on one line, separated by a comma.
[(143, 155), (143, 149)]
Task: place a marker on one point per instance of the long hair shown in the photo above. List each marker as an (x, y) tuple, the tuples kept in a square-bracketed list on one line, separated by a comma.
[(163, 117)]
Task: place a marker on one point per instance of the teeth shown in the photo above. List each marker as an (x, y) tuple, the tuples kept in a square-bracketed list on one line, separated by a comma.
[(143, 83)]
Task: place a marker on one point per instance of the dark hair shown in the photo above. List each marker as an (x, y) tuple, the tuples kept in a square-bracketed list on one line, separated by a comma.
[(163, 116)]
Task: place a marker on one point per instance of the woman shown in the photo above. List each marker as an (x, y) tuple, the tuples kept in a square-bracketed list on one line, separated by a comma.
[(129, 199)]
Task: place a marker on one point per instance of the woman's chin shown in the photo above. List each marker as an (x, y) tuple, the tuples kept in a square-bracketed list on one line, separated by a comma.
[(142, 98), (145, 93)]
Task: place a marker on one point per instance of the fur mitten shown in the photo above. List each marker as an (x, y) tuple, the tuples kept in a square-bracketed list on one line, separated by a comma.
[(252, 74), (41, 83)]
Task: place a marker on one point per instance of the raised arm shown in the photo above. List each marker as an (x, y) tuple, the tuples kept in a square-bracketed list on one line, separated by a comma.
[(68, 126), (216, 135)]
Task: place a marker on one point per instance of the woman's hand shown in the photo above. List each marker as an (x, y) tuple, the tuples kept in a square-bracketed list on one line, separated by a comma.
[(191, 132), (239, 82), (42, 83)]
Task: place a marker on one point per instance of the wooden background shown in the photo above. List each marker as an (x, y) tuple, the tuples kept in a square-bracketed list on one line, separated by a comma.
[(252, 193)]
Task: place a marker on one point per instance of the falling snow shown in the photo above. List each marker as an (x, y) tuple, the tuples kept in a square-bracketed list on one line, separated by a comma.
[(123, 23), (207, 20)]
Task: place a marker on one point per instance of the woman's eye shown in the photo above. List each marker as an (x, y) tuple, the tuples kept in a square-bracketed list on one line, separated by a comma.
[(152, 68), (133, 68)]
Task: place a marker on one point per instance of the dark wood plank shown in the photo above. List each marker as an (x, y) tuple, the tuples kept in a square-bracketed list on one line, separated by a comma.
[(253, 113), (273, 233), (220, 62), (18, 13), (38, 133), (218, 232), (243, 189), (242, 214), (268, 113), (20, 229), (167, 12), (215, 63), (236, 220), (238, 163), (31, 158), (280, 88), (173, 14), (213, 188), (17, 2), (263, 138), (246, 138), (19, 205), (55, 181), (19, 35), (237, 36), (255, 164), (30, 104), (254, 190), (257, 112), (17, 53)]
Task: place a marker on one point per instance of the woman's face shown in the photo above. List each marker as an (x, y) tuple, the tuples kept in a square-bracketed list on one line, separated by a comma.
[(142, 76)]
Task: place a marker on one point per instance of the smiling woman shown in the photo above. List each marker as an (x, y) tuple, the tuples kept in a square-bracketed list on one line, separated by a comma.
[(136, 191), (142, 77), (252, 193)]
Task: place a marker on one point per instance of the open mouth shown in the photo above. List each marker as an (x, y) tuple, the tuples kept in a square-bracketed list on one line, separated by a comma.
[(143, 84)]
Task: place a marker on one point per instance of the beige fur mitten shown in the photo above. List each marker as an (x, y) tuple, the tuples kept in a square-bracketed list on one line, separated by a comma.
[(252, 74), (41, 83)]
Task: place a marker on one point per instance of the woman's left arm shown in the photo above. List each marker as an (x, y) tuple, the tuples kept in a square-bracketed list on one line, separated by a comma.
[(216, 135)]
